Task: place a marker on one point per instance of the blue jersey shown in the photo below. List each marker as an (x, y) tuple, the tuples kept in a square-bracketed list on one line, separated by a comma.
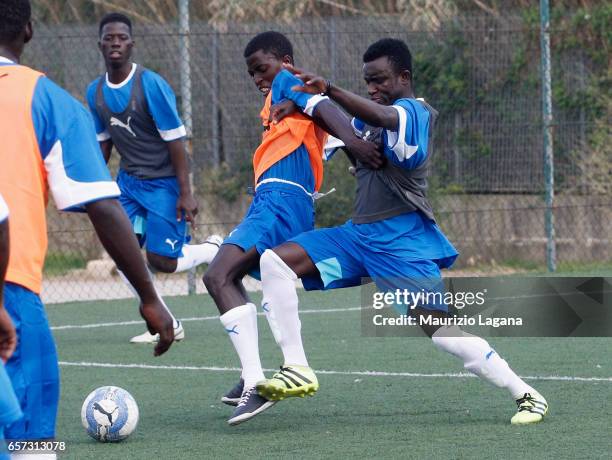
[(407, 145), (160, 99), (76, 171), (296, 166)]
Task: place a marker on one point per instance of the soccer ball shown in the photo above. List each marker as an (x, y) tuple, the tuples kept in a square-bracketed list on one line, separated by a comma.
[(109, 414)]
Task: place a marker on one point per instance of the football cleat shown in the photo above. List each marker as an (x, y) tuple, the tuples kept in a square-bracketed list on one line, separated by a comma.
[(532, 408), (147, 337), (249, 406), (232, 397), (290, 381)]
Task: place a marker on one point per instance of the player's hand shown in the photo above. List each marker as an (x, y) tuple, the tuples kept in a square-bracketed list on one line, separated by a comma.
[(8, 337), (188, 206), (281, 110), (160, 322), (367, 153), (313, 83)]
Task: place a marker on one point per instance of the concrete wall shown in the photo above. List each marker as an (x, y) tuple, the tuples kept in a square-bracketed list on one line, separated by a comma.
[(493, 229), (486, 229)]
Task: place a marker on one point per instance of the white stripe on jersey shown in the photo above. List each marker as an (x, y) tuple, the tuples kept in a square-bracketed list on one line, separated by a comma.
[(173, 134), (331, 146), (312, 103), (396, 140), (69, 193)]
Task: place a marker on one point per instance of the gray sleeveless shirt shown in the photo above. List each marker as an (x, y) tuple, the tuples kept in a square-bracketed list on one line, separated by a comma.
[(392, 190), (143, 152)]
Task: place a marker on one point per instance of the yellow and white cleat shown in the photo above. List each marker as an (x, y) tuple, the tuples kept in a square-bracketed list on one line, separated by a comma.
[(532, 408), (290, 381)]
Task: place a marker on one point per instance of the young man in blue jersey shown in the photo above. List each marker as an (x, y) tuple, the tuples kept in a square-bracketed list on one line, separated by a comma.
[(49, 145), (288, 174), (392, 237), (134, 110), (10, 411)]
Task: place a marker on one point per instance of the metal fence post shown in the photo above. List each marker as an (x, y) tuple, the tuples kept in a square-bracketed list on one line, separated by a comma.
[(185, 72), (214, 84), (547, 118), (332, 49)]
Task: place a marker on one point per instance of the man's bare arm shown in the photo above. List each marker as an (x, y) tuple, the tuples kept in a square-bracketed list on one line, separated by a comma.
[(186, 203), (107, 148), (115, 233)]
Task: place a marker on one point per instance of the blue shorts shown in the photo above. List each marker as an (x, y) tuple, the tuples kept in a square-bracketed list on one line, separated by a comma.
[(403, 252), (275, 215), (33, 368), (151, 206), (9, 408)]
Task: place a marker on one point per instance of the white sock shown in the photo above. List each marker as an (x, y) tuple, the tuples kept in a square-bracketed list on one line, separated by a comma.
[(240, 324), (129, 285), (194, 255), (479, 358), (280, 303)]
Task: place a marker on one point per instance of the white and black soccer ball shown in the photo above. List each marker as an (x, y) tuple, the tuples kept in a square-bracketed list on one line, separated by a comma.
[(109, 414)]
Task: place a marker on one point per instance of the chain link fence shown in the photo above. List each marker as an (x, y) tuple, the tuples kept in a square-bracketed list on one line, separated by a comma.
[(482, 74)]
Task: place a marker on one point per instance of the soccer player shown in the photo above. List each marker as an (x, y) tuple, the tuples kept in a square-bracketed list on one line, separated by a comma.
[(9, 406), (288, 173), (49, 143), (391, 238), (134, 109)]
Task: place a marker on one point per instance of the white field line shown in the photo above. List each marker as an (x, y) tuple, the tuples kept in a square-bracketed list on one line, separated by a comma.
[(197, 318), (330, 372), (554, 378)]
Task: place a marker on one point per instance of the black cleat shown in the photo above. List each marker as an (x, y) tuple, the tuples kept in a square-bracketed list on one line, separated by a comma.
[(249, 406), (232, 397)]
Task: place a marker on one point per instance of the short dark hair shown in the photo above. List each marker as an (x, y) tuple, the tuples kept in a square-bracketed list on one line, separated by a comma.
[(396, 51), (114, 17), (270, 42), (14, 15)]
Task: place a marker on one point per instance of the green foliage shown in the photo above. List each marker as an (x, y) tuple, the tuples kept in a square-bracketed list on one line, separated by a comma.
[(447, 71), (226, 182), (473, 144), (586, 29), (60, 263), (442, 72)]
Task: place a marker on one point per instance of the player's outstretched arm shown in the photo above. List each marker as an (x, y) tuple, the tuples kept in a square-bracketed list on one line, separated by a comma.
[(370, 112), (8, 337), (186, 204), (115, 232), (329, 117)]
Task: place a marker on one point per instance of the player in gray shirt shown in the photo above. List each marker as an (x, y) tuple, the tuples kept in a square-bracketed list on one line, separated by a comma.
[(134, 110)]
